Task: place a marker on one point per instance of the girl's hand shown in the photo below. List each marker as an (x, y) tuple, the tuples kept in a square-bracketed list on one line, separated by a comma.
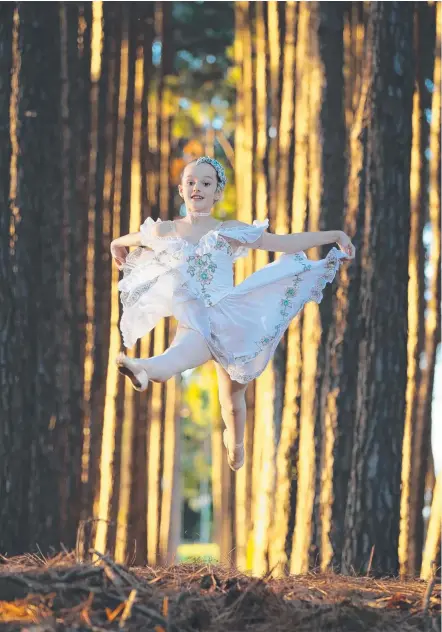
[(345, 244), (119, 254)]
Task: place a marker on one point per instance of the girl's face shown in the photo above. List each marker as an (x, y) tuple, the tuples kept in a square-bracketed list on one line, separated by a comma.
[(198, 187)]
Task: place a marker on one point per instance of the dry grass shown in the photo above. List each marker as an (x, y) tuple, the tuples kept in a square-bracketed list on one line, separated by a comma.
[(42, 595)]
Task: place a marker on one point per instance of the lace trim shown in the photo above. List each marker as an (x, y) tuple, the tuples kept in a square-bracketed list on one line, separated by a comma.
[(332, 264), (211, 239), (128, 299)]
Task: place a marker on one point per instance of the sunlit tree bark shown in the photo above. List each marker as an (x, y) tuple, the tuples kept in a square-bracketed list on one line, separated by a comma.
[(325, 202), (10, 465), (79, 69), (130, 220), (91, 437), (243, 478), (106, 196), (339, 369), (218, 456), (233, 496), (286, 485), (264, 439), (275, 20), (433, 321), (109, 441), (433, 307), (245, 136), (138, 512), (372, 510), (414, 462), (170, 481), (431, 555), (330, 135), (162, 443), (355, 23)]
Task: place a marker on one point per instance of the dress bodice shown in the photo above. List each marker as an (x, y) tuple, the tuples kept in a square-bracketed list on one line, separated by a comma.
[(203, 269)]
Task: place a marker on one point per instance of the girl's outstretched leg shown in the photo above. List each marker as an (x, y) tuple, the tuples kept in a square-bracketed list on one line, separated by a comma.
[(187, 351), (233, 411)]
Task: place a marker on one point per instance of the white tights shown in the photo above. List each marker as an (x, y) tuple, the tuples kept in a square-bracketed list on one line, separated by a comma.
[(189, 350)]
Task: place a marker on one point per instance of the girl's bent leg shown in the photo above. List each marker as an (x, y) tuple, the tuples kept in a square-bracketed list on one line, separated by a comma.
[(233, 411), (187, 351)]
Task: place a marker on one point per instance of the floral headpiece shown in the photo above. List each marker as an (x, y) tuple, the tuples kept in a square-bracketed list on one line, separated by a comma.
[(222, 180)]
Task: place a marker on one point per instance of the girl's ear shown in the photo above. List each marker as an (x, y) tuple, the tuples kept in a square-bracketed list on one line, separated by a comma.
[(180, 190)]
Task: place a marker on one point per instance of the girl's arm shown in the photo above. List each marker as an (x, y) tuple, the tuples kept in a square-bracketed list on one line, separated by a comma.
[(295, 242), (132, 239), (119, 247)]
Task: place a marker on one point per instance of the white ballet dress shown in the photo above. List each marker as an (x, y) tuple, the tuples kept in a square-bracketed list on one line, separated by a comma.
[(241, 324)]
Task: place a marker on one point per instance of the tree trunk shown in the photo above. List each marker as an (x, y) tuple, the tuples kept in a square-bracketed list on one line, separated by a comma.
[(71, 234), (331, 140), (90, 456), (163, 404), (414, 462), (171, 498), (11, 466), (80, 116), (431, 555), (285, 434), (372, 511), (109, 463), (433, 319), (38, 261), (339, 370)]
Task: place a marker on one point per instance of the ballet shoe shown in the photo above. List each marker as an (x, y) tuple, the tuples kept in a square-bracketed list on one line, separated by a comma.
[(131, 368), (237, 462)]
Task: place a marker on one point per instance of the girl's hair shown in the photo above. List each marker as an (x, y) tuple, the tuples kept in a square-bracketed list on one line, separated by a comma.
[(220, 174)]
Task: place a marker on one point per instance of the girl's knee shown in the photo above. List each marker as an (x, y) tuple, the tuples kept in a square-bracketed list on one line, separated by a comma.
[(234, 405)]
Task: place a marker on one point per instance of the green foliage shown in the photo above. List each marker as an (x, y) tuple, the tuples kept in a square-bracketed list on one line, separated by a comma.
[(203, 92), (196, 427), (203, 28)]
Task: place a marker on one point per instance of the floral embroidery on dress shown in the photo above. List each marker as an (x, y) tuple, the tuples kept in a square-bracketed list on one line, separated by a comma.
[(223, 244), (129, 299), (202, 268), (331, 265), (164, 257)]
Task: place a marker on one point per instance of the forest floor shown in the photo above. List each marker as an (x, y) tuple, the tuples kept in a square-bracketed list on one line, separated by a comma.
[(45, 595)]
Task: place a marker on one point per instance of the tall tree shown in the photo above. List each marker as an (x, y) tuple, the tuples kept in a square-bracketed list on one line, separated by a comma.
[(38, 260), (372, 511), (325, 203), (339, 371), (433, 322), (417, 436), (10, 467), (288, 446), (331, 142)]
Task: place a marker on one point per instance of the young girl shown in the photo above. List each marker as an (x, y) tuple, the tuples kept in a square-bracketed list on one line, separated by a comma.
[(184, 268)]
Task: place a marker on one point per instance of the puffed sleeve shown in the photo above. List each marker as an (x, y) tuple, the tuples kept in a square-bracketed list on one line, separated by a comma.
[(156, 234), (241, 234), (147, 230)]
